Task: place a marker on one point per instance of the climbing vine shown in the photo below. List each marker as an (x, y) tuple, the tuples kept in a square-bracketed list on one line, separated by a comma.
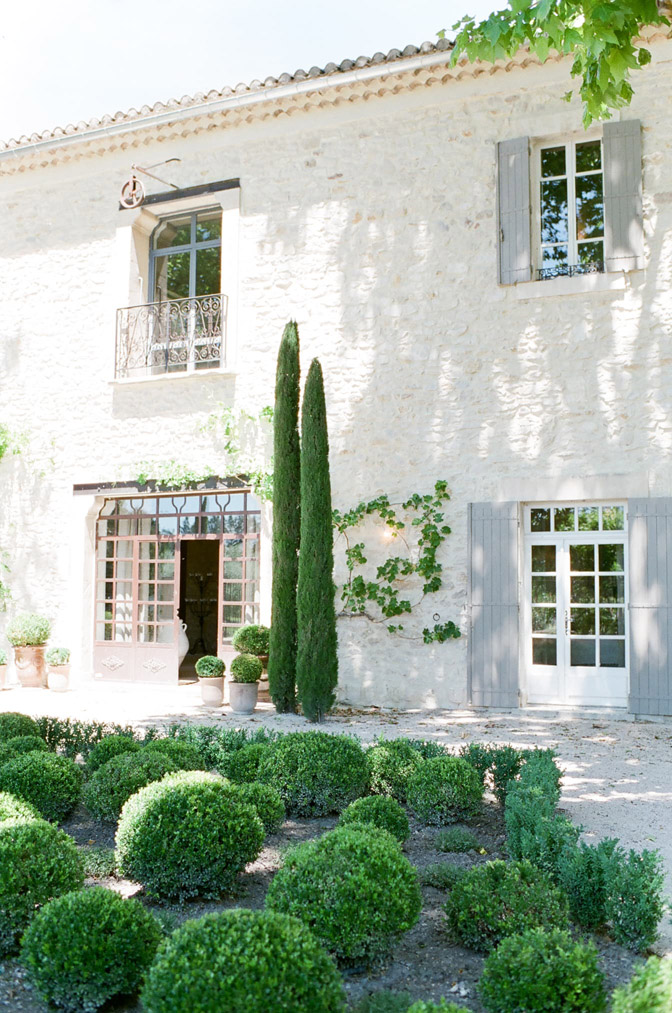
[(389, 591)]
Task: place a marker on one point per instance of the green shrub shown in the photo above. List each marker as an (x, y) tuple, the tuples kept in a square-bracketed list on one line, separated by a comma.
[(635, 897), (242, 765), (456, 839), (442, 875), (380, 811), (13, 724), (183, 754), (497, 900), (582, 875), (266, 801), (353, 888), (3, 657), (316, 773), (384, 1002), (187, 835), (505, 764), (57, 656), (209, 667), (251, 639), (648, 991), (109, 746), (87, 947), (526, 805), (391, 764), (445, 790), (542, 972), (28, 629), (246, 668), (540, 768), (22, 744), (99, 861), (53, 784), (443, 1006), (37, 862), (12, 808), (547, 842), (113, 783), (243, 961), (479, 756), (74, 737)]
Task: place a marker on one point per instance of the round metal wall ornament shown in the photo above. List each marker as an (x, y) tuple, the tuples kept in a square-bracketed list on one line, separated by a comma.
[(132, 192)]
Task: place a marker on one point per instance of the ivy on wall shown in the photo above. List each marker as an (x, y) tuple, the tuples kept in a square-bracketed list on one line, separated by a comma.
[(388, 592)]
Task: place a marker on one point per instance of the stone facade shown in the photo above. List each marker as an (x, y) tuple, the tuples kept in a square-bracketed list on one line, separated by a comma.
[(368, 214)]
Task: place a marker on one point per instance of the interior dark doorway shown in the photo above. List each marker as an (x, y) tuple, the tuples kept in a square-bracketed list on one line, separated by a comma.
[(199, 582)]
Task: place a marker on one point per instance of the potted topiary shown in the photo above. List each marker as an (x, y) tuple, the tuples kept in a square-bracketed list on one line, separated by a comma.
[(3, 669), (254, 639), (246, 672), (210, 672), (58, 676), (28, 633)]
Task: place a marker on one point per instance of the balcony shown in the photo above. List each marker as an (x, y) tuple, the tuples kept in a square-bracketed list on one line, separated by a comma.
[(173, 336)]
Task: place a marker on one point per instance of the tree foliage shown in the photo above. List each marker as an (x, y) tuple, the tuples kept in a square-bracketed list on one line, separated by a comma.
[(317, 660), (602, 37), (286, 524)]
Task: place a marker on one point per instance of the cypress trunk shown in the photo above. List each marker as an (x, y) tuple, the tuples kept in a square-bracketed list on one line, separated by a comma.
[(286, 524), (317, 660)]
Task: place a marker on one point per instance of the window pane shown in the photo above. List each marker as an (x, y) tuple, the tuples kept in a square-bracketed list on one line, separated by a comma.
[(208, 270), (166, 571), (582, 653), (234, 524), (147, 571), (146, 634), (612, 518), (591, 253), (588, 156), (232, 614), (166, 550), (164, 613), (165, 592), (544, 651), (233, 592), (233, 548), (589, 207), (233, 568), (582, 557), (554, 257), (146, 613), (165, 634), (543, 589), (540, 519), (543, 620), (147, 550), (172, 277), (612, 557), (146, 592), (583, 621), (583, 589), (588, 519), (252, 591), (543, 558), (554, 228), (173, 232), (208, 226), (612, 653), (252, 569), (167, 525), (553, 161), (612, 621), (612, 589), (563, 518), (253, 523), (212, 525)]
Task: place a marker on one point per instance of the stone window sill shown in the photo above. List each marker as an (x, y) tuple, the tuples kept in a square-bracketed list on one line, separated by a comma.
[(198, 374), (578, 285)]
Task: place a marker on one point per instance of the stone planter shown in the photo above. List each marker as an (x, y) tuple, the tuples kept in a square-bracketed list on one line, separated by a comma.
[(58, 678), (31, 667), (3, 676), (212, 691), (243, 697)]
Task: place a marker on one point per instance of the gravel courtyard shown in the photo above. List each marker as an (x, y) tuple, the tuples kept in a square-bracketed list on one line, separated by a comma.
[(617, 772)]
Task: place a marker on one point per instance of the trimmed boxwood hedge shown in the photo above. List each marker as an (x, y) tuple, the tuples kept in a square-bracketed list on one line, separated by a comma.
[(501, 899), (53, 784), (243, 961), (183, 754), (12, 724), (380, 811), (13, 808), (37, 862), (648, 991), (316, 773), (354, 890), (445, 790), (188, 835), (119, 778), (242, 765), (21, 744), (109, 746), (391, 764), (89, 946), (266, 801)]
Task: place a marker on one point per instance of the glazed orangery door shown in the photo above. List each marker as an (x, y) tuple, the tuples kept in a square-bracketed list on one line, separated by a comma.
[(138, 579)]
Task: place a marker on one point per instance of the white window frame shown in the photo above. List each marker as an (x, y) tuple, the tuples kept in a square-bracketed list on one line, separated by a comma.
[(569, 143)]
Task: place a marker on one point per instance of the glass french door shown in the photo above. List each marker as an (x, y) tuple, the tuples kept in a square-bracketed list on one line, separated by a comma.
[(575, 618)]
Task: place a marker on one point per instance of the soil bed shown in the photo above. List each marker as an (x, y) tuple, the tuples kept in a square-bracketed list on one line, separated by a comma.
[(425, 963)]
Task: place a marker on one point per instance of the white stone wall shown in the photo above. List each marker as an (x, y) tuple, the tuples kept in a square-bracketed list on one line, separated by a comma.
[(373, 225)]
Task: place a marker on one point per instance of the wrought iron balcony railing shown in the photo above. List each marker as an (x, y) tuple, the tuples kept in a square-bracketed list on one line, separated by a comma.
[(174, 336)]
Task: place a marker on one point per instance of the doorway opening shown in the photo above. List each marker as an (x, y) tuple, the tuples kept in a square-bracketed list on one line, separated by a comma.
[(199, 581)]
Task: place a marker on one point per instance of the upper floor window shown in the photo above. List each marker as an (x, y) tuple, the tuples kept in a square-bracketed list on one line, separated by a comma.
[(570, 209), (185, 256)]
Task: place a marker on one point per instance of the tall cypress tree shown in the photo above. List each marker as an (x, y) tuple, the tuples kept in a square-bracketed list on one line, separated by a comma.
[(317, 658), (286, 524)]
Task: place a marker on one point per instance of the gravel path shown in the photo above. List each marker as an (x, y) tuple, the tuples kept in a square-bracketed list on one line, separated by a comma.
[(618, 773)]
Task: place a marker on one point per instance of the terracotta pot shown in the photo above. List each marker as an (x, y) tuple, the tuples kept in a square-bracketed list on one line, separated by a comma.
[(3, 676), (263, 658), (58, 678), (212, 691), (31, 667), (243, 697)]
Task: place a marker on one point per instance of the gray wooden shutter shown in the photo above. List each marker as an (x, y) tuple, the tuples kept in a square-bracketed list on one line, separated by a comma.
[(493, 601), (513, 211), (623, 228), (650, 566)]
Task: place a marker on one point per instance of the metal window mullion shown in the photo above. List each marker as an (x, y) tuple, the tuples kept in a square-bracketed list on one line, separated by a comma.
[(572, 251)]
